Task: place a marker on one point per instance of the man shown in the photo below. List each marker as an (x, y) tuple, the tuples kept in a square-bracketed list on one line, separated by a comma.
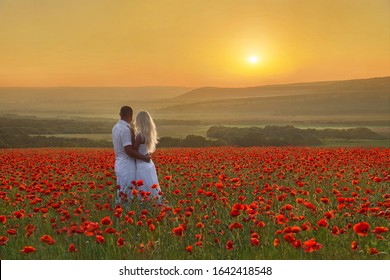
[(125, 155)]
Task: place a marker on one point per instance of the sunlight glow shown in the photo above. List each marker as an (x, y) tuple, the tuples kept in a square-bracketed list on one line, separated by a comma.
[(253, 59)]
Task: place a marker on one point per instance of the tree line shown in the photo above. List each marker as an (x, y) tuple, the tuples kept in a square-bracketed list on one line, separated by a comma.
[(285, 135), (17, 133), (18, 138)]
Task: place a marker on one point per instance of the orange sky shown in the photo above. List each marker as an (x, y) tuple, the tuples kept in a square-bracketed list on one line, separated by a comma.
[(191, 42)]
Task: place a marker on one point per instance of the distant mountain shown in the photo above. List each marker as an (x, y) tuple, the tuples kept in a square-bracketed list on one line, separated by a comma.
[(365, 99), (75, 102), (9, 94), (329, 87), (369, 97)]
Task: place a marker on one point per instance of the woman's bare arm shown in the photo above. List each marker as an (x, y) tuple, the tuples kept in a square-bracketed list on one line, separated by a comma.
[(138, 141), (132, 135)]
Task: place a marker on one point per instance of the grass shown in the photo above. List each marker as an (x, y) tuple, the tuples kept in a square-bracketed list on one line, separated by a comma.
[(355, 143)]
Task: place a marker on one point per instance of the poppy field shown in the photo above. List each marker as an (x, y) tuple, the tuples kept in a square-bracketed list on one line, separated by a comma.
[(220, 203)]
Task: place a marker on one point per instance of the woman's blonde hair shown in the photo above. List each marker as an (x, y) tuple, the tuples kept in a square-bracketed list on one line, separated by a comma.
[(145, 127)]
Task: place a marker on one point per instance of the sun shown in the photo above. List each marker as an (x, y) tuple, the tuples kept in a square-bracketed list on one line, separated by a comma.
[(253, 59)]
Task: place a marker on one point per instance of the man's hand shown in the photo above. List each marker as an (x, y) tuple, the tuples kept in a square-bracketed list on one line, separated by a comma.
[(147, 158), (135, 154)]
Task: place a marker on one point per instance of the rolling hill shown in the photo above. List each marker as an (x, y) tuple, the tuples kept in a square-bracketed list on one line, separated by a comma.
[(72, 102), (351, 100), (88, 93), (364, 99), (374, 85)]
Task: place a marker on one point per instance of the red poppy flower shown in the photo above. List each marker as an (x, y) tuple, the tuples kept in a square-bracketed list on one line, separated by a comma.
[(323, 223), (299, 200), (255, 241), (3, 240), (47, 239), (354, 245), (311, 246), (235, 213), (379, 230), (118, 211), (3, 219), (377, 180), (229, 245), (106, 221), (134, 192), (300, 184), (373, 251), (361, 228), (199, 244), (28, 249), (100, 239), (288, 207), (335, 230), (141, 248), (178, 231), (90, 228), (329, 215), (281, 219), (110, 230), (238, 206), (139, 183), (89, 233), (276, 242), (120, 242), (18, 214), (199, 225), (11, 231), (297, 244), (287, 229), (309, 206), (324, 200), (235, 225), (72, 248), (260, 224), (295, 229), (289, 237), (189, 248)]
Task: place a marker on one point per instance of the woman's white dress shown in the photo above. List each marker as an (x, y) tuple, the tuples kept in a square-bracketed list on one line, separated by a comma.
[(146, 171)]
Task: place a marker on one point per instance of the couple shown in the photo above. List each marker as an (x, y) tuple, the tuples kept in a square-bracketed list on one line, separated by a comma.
[(134, 168)]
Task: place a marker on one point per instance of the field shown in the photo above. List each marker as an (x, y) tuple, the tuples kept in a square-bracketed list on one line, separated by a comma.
[(221, 203), (327, 142)]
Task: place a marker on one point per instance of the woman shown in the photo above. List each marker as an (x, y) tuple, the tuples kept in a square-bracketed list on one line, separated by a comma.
[(145, 143)]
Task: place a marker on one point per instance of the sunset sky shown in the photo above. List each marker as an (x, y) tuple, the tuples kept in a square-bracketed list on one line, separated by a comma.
[(191, 43)]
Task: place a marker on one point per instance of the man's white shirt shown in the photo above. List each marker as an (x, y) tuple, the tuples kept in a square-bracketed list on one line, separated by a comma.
[(121, 137), (125, 167)]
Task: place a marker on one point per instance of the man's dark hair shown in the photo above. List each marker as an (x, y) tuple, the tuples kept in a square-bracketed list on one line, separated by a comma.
[(126, 111)]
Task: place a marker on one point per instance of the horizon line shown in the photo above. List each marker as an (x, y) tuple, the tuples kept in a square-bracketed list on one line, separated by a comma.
[(173, 86)]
